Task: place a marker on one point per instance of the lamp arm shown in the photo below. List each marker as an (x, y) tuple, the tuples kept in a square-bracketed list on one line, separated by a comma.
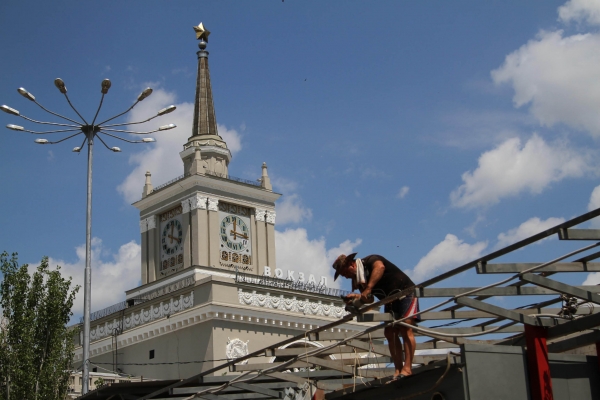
[(118, 115), (124, 131), (73, 107), (58, 115), (68, 137), (45, 132), (48, 123), (120, 138), (131, 123), (98, 110), (105, 145)]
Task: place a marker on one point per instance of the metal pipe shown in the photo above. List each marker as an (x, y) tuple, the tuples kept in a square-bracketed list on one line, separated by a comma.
[(87, 288)]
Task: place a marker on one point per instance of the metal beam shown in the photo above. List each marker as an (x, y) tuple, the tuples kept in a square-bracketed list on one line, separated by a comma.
[(258, 389), (561, 287), (509, 268), (375, 348), (579, 234), (495, 291), (288, 377), (574, 342), (499, 311), (460, 330), (580, 324)]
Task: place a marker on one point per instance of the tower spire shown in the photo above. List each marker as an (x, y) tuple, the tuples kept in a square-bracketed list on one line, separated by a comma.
[(205, 121), (214, 156)]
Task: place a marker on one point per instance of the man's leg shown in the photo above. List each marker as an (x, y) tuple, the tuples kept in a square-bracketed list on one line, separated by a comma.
[(391, 334), (409, 347)]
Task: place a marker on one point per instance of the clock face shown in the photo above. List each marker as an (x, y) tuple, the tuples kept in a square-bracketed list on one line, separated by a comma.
[(235, 234), (172, 235), (171, 241)]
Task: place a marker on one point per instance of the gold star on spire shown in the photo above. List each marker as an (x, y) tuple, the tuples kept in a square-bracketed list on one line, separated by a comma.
[(201, 32)]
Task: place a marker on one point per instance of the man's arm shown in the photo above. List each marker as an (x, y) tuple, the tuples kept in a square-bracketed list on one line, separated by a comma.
[(376, 274)]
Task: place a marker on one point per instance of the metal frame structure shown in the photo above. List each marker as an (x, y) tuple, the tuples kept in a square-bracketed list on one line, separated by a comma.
[(541, 327)]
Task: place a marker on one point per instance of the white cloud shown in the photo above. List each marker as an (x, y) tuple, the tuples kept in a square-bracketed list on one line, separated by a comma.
[(513, 168), (110, 278), (594, 199), (592, 279), (290, 210), (526, 229), (580, 11), (449, 253), (403, 192), (162, 158), (594, 204), (297, 253), (557, 76)]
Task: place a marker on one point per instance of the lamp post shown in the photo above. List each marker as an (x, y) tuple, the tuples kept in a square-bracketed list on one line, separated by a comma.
[(90, 132)]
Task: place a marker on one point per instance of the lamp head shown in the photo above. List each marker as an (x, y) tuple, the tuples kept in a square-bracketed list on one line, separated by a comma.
[(116, 149), (60, 85), (15, 127), (41, 141), (147, 92), (166, 110), (9, 110), (105, 86), (148, 140), (26, 94), (167, 127), (76, 149)]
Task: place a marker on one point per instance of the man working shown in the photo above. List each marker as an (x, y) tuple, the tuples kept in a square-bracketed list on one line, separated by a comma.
[(375, 276)]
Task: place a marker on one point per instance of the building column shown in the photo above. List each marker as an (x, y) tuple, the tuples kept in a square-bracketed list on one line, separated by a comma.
[(200, 233), (148, 232), (186, 224), (260, 236), (213, 232), (270, 217), (540, 381)]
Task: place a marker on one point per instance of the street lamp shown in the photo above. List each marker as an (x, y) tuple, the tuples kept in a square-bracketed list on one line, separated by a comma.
[(90, 132)]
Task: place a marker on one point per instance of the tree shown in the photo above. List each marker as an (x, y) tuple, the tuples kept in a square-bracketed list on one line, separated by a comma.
[(36, 348)]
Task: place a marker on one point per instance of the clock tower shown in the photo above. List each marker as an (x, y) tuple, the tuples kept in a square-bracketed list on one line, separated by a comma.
[(206, 217)]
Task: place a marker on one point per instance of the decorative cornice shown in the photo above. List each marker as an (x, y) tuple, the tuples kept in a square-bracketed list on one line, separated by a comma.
[(213, 204), (143, 316), (206, 312), (271, 217), (305, 307), (147, 223), (185, 206), (198, 202), (259, 215)]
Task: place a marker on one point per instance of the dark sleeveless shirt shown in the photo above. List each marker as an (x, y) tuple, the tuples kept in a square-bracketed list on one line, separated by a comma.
[(392, 281)]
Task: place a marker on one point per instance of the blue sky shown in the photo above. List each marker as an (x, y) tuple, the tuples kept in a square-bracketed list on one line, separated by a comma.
[(429, 132)]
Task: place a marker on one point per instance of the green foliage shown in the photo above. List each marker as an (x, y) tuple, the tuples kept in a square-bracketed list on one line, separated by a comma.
[(99, 382), (36, 348)]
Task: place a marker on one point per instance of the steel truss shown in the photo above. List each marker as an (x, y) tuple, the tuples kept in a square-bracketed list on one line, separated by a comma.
[(359, 359)]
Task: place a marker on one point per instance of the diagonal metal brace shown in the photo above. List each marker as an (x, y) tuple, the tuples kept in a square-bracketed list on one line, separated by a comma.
[(561, 287), (258, 389), (501, 312)]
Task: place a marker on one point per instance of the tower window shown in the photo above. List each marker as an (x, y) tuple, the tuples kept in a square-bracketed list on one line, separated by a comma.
[(151, 354)]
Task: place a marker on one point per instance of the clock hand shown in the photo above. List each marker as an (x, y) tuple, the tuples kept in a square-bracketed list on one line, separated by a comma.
[(171, 236), (234, 233), (174, 238)]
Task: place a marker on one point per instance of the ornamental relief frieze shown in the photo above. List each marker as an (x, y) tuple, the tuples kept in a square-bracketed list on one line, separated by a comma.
[(305, 307), (143, 316)]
